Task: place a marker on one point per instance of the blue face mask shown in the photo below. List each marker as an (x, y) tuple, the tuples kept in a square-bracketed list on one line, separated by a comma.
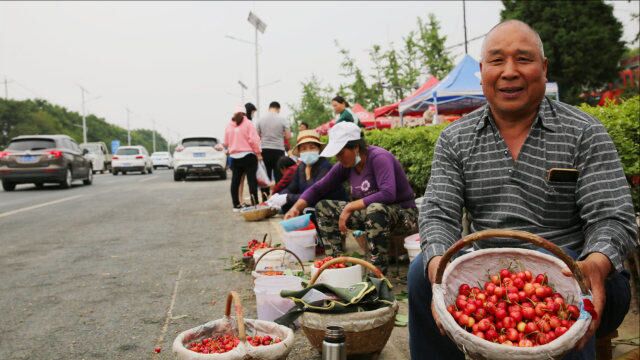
[(310, 157)]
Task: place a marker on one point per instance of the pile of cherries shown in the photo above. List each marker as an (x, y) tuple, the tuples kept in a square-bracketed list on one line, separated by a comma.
[(225, 343), (318, 264), (514, 309), (254, 245)]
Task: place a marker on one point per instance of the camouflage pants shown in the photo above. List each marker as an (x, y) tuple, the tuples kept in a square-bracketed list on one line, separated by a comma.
[(378, 221)]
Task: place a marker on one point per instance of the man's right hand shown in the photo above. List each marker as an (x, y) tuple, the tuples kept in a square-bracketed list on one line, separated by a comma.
[(432, 268)]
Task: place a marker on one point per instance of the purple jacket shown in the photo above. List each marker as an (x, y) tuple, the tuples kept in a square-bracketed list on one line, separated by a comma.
[(382, 180)]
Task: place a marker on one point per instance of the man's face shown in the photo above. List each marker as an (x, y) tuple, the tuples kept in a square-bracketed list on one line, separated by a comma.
[(513, 71)]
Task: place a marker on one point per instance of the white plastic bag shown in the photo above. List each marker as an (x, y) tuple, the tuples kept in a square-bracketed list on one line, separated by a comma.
[(277, 200), (262, 176)]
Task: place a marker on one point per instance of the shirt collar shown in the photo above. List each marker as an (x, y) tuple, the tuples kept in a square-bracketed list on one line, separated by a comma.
[(547, 116)]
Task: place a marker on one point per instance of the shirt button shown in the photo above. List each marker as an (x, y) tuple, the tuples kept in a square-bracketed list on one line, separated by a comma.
[(506, 152), (510, 171)]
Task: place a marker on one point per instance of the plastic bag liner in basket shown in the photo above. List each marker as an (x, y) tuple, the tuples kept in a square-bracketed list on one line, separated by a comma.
[(471, 267), (240, 327), (365, 310)]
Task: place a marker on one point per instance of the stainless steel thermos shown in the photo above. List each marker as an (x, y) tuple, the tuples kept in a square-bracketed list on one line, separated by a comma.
[(333, 346)]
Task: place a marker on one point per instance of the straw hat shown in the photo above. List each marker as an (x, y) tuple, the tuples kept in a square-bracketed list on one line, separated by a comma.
[(307, 136)]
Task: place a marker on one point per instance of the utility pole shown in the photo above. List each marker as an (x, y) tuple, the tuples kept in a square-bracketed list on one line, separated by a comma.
[(128, 128), (84, 116), (6, 88), (259, 25), (154, 134), (464, 20)]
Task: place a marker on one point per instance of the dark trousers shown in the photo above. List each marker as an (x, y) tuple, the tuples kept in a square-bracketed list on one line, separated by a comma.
[(426, 343), (270, 158), (246, 165)]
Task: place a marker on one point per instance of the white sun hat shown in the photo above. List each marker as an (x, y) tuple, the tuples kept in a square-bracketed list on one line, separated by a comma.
[(339, 135)]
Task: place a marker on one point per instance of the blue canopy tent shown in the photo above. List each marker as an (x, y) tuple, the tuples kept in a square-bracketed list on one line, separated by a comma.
[(459, 92)]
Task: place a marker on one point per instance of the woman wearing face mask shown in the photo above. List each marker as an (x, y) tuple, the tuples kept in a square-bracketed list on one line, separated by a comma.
[(312, 168), (382, 198)]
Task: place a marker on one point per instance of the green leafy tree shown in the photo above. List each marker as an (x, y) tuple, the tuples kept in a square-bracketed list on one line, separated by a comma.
[(393, 74), (432, 47), (582, 40), (377, 88), (38, 116), (314, 108), (358, 89)]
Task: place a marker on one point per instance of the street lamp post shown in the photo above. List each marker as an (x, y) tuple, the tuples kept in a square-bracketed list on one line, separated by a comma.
[(84, 114), (243, 87), (128, 128), (259, 25)]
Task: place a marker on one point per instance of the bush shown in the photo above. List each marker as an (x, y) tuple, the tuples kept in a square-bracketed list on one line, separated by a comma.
[(414, 146), (414, 149)]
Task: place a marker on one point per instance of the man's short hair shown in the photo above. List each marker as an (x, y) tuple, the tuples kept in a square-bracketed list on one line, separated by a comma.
[(538, 38), (274, 105)]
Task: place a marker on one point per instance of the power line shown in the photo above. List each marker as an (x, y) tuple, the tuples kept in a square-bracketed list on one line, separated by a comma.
[(463, 43)]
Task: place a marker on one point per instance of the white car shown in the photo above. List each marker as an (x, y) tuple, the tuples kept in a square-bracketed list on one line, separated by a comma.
[(162, 159), (131, 158), (99, 156), (198, 156)]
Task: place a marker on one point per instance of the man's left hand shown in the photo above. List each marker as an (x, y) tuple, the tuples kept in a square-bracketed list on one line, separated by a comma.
[(595, 268)]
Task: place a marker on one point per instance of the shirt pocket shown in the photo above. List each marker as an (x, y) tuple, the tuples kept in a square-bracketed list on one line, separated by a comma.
[(560, 195)]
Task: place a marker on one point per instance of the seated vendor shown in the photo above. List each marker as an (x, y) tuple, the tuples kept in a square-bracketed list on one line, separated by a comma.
[(382, 197), (311, 169), (525, 162)]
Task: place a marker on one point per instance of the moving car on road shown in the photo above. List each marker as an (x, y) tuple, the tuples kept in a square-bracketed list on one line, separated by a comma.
[(162, 159), (131, 158), (99, 156), (41, 159), (197, 156)]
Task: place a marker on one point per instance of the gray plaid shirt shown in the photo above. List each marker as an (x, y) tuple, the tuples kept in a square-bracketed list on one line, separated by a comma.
[(473, 169)]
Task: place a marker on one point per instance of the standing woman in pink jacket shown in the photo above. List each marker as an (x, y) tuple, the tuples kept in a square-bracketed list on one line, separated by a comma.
[(243, 145)]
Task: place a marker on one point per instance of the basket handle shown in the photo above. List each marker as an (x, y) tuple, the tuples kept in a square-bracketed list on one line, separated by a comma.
[(234, 298), (345, 259), (255, 266), (515, 234)]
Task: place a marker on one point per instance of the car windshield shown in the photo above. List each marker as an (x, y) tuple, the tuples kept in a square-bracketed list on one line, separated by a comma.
[(128, 151), (31, 144), (191, 142)]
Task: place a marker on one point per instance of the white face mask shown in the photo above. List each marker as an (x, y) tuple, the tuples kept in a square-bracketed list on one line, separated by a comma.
[(310, 157)]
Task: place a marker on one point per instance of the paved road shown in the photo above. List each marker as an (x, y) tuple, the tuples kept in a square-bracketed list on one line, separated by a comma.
[(91, 272)]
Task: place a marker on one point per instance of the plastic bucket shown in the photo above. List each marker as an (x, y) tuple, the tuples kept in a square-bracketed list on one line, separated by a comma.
[(276, 260), (270, 305), (296, 223), (301, 243), (412, 244), (342, 278)]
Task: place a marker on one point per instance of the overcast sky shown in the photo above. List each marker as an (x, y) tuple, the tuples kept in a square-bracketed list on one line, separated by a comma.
[(172, 62)]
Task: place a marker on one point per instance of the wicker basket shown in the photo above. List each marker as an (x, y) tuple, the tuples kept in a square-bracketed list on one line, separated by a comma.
[(366, 332), (226, 325), (468, 268), (259, 213)]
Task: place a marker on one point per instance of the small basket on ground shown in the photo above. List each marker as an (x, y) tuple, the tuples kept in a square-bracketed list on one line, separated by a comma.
[(256, 273), (366, 332), (468, 269), (258, 213), (238, 326)]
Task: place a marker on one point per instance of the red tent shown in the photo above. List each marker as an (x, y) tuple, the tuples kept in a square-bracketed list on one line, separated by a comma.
[(392, 109)]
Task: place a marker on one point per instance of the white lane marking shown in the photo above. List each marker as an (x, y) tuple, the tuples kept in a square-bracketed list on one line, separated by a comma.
[(169, 311), (147, 179), (33, 207)]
